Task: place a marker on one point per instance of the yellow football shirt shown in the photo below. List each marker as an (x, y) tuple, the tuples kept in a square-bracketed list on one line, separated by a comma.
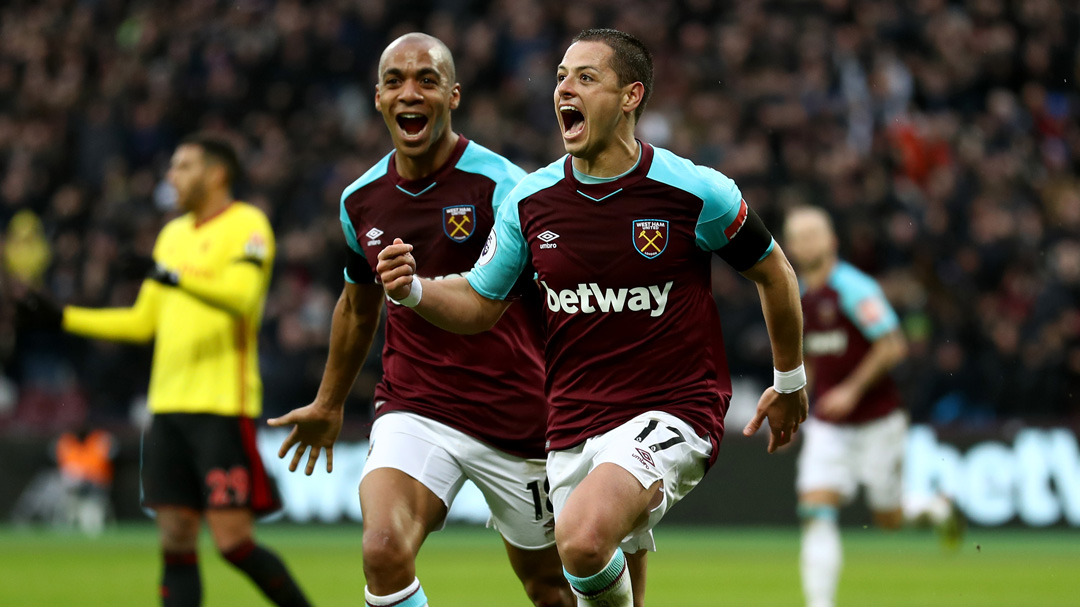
[(205, 329)]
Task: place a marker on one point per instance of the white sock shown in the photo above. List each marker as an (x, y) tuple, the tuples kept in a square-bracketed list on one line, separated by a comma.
[(411, 596), (934, 509), (608, 588), (820, 559)]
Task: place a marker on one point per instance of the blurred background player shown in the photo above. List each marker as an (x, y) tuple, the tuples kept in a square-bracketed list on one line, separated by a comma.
[(448, 408), (202, 305), (622, 236), (857, 431)]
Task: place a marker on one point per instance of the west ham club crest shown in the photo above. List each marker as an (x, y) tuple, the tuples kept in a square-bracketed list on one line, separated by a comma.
[(650, 236), (459, 223), (826, 312)]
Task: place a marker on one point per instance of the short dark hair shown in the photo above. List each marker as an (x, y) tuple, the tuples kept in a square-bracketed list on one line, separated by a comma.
[(631, 59), (219, 151)]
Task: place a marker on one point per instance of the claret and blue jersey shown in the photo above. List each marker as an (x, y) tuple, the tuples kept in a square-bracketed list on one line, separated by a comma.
[(841, 321), (630, 320), (489, 386)]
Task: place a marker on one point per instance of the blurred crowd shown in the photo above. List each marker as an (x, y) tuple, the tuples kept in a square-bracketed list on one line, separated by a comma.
[(941, 136)]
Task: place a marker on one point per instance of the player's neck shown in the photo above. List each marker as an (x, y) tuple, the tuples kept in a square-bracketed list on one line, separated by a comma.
[(212, 206), (816, 277), (411, 168), (617, 158)]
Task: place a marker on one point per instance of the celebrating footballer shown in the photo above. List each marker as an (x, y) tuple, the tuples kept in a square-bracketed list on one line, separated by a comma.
[(620, 235), (449, 408)]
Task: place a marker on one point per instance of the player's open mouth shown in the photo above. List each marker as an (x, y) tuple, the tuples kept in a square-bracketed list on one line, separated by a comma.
[(573, 121), (412, 124)]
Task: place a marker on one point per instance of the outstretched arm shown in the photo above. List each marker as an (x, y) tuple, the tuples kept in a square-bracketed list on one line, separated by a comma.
[(779, 293), (451, 304), (136, 324), (356, 317)]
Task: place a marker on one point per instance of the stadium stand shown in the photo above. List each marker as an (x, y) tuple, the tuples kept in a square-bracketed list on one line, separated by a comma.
[(939, 134)]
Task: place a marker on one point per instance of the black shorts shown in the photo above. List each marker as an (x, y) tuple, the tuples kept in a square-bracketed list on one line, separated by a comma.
[(201, 461)]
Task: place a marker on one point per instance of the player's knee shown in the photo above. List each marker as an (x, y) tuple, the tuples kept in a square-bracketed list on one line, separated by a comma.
[(889, 519), (229, 545), (385, 554), (581, 547), (178, 533)]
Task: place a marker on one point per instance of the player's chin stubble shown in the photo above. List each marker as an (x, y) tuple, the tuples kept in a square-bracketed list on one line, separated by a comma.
[(193, 196)]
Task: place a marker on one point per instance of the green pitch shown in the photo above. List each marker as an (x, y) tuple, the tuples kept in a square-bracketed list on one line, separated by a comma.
[(466, 567)]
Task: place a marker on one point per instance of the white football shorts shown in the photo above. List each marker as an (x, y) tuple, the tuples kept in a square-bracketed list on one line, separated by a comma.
[(442, 458), (840, 457), (654, 446)]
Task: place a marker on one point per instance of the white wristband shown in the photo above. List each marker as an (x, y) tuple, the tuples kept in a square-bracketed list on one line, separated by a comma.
[(415, 292), (786, 382)]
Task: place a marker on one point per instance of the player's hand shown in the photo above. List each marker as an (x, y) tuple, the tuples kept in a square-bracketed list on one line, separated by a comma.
[(837, 403), (396, 269), (314, 426), (36, 311), (134, 266), (784, 411)]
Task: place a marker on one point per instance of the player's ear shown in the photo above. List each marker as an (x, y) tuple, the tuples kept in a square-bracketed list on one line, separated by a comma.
[(377, 108), (219, 175), (455, 96), (632, 97)]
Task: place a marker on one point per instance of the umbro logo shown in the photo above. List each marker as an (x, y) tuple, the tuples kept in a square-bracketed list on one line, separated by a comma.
[(547, 236), (644, 457), (373, 236)]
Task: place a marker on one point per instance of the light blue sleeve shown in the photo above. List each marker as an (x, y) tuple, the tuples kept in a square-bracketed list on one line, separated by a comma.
[(863, 302), (505, 253), (723, 209), (481, 161), (350, 237), (504, 256), (347, 227), (350, 232)]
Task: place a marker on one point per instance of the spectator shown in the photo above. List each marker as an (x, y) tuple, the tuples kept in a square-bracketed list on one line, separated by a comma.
[(937, 133)]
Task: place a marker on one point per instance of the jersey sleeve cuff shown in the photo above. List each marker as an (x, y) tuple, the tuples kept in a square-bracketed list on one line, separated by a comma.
[(481, 290), (881, 330), (768, 250)]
